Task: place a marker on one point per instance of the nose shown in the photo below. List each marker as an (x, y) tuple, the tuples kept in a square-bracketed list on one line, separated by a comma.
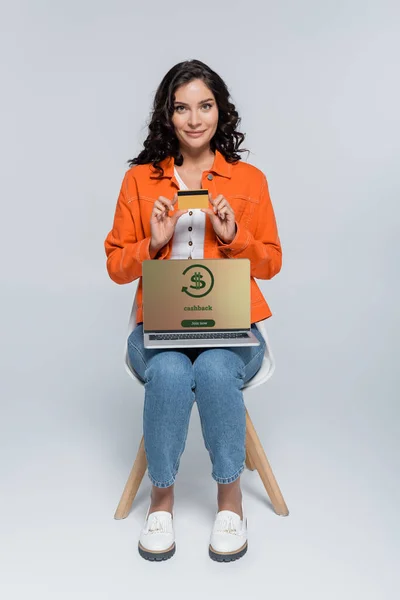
[(194, 119)]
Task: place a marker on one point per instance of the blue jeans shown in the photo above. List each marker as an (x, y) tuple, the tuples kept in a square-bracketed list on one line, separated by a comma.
[(174, 379)]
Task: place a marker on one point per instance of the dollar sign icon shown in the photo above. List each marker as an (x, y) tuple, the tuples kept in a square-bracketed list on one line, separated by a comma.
[(198, 284), (197, 280)]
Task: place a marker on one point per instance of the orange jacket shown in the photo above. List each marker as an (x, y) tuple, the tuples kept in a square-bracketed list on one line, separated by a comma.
[(246, 189)]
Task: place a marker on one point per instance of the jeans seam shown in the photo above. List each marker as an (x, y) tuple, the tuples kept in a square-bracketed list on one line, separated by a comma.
[(261, 352), (208, 446), (175, 468), (228, 479), (161, 483), (132, 345)]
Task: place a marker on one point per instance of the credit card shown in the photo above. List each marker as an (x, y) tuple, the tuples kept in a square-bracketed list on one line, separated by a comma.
[(193, 199)]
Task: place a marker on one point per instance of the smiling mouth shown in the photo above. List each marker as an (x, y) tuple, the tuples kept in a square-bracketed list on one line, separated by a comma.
[(195, 132)]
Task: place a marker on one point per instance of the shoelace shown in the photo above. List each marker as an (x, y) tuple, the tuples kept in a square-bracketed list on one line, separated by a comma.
[(226, 525), (159, 525)]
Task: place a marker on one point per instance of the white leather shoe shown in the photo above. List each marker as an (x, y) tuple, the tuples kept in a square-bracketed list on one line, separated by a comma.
[(157, 537), (228, 537)]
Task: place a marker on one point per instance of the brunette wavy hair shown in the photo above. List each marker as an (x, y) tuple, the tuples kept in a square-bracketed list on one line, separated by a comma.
[(162, 141)]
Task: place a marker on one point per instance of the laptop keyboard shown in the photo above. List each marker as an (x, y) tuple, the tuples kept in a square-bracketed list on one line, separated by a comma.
[(198, 336)]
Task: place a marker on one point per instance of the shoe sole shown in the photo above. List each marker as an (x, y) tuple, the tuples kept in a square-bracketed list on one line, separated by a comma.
[(157, 556), (227, 556)]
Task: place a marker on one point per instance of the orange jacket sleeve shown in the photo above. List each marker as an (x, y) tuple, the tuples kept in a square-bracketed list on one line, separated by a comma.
[(264, 247), (126, 245)]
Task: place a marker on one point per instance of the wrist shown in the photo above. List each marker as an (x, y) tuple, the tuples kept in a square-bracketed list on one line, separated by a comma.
[(154, 248), (229, 240), (225, 241)]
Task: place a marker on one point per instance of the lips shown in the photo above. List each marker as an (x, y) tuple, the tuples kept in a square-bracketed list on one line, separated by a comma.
[(195, 133)]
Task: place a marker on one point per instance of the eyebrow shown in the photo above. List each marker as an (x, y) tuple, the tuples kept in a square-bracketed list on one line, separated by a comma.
[(201, 102)]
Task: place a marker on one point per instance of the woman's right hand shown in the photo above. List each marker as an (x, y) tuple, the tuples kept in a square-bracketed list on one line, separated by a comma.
[(162, 226)]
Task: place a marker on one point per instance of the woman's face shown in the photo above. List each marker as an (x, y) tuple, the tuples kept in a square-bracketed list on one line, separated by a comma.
[(195, 110)]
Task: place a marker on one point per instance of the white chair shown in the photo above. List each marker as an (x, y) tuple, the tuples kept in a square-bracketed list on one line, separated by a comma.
[(255, 455)]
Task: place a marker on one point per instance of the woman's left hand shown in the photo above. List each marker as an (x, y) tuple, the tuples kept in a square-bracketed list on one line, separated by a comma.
[(222, 218)]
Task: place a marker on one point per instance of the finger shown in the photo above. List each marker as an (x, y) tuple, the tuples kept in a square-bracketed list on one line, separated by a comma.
[(220, 210), (214, 208), (157, 208), (159, 214), (226, 209), (208, 211), (160, 208), (218, 199), (174, 199), (211, 200), (165, 202), (178, 214), (159, 204), (214, 214), (156, 216), (218, 202)]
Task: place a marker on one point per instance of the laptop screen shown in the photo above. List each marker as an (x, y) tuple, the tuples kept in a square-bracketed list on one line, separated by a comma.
[(196, 295)]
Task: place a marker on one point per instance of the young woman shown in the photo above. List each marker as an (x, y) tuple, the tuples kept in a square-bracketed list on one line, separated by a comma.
[(193, 143)]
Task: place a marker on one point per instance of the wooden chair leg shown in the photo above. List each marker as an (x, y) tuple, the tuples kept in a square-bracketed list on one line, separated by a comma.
[(255, 459), (259, 459), (249, 463), (133, 483)]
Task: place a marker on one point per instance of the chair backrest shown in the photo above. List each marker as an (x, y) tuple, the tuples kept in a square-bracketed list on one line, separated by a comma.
[(263, 374)]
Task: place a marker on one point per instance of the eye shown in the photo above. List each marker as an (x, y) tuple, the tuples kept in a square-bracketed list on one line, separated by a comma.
[(207, 104), (178, 107)]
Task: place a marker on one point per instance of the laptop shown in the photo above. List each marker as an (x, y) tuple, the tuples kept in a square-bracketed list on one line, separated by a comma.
[(189, 303)]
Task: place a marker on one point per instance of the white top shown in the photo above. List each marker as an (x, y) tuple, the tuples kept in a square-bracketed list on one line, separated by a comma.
[(190, 227)]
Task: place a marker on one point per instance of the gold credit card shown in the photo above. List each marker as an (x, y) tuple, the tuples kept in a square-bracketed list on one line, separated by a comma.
[(193, 199)]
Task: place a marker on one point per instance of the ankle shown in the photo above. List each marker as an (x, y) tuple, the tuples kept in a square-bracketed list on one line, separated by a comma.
[(235, 507), (161, 499), (230, 498), (232, 495)]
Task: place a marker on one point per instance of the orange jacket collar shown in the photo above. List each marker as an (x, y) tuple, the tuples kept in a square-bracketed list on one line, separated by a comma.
[(220, 166)]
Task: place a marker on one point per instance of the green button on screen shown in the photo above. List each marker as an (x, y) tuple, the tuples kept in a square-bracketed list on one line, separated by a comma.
[(198, 323)]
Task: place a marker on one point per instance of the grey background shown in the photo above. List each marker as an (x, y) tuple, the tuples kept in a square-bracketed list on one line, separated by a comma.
[(316, 84)]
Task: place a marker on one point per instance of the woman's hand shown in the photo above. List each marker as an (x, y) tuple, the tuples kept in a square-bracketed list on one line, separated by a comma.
[(222, 218), (162, 226)]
